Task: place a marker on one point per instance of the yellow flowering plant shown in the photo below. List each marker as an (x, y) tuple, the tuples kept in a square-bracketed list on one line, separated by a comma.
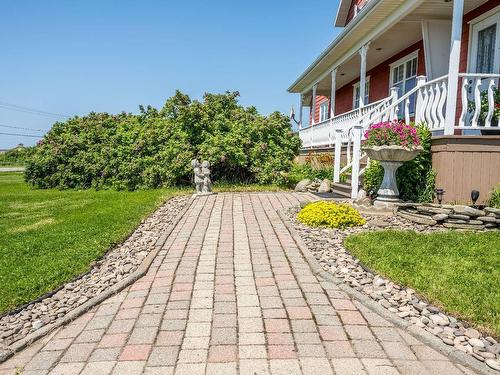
[(330, 214)]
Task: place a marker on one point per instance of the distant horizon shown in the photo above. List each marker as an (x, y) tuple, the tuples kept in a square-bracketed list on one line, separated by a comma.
[(71, 59)]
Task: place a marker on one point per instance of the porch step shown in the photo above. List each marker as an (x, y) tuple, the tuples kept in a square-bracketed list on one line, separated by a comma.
[(342, 189)]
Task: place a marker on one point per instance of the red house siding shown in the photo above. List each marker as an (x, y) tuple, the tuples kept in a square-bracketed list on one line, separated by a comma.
[(354, 3), (319, 100)]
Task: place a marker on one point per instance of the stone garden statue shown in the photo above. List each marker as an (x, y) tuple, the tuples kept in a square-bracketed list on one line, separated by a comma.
[(207, 183), (202, 177)]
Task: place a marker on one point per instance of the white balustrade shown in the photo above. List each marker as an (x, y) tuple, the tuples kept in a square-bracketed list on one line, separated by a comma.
[(478, 102)]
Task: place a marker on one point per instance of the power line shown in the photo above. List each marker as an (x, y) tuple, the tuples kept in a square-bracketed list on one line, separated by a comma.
[(19, 108), (23, 135), (21, 128)]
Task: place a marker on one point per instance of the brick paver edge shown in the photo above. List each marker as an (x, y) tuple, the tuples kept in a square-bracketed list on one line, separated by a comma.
[(116, 288), (419, 333)]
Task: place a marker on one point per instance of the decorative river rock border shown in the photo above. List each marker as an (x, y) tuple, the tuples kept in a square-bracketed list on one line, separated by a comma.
[(116, 265), (327, 247)]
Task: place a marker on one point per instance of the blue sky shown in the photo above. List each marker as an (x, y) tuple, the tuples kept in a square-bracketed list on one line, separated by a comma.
[(71, 57)]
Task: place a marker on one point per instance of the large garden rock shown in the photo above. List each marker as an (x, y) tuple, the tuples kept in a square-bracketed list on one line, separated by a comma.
[(420, 219), (463, 226), (325, 186), (492, 210), (302, 185), (466, 210)]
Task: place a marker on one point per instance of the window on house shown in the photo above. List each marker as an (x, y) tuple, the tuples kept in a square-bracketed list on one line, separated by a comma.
[(485, 48), (404, 77), (323, 111), (356, 93)]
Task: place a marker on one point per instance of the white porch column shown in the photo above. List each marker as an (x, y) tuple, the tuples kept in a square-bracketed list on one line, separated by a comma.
[(313, 104), (362, 75), (456, 39), (333, 89), (337, 155), (301, 109)]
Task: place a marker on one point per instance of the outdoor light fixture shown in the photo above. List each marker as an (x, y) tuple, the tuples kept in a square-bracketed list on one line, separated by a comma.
[(474, 195), (439, 195)]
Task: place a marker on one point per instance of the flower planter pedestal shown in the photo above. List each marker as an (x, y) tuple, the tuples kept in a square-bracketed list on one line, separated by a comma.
[(388, 191), (391, 158)]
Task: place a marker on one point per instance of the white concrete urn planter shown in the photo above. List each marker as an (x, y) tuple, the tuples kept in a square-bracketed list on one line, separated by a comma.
[(391, 158)]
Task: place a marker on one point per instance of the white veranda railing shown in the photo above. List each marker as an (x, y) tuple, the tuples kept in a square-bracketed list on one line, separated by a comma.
[(478, 101), (322, 134)]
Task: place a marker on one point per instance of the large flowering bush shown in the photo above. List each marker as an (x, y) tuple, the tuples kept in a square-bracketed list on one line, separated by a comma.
[(154, 148), (391, 133), (330, 214)]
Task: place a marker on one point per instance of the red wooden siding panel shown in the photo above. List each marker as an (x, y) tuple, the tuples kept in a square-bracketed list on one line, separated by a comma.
[(354, 3)]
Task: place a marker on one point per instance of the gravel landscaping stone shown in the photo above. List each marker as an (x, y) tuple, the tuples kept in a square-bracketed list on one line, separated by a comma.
[(116, 265), (327, 247)]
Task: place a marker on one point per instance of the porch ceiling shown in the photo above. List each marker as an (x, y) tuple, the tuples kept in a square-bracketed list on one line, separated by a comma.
[(390, 24), (381, 49), (439, 9)]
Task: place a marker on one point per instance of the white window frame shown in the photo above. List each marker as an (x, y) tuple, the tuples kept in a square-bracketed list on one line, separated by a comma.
[(367, 93), (394, 65), (323, 111), (404, 60), (490, 18)]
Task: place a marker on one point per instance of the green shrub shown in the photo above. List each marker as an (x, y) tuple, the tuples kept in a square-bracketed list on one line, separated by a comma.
[(330, 214), (155, 147), (415, 178), (494, 200), (16, 156)]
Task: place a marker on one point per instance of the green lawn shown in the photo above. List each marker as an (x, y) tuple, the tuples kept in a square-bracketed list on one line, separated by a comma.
[(459, 271), (49, 236)]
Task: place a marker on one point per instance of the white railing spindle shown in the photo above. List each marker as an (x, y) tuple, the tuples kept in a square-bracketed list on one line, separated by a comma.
[(465, 84), (477, 102), (491, 103), (442, 102)]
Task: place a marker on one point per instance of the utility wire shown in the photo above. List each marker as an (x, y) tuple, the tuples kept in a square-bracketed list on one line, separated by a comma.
[(23, 135), (35, 111), (21, 128)]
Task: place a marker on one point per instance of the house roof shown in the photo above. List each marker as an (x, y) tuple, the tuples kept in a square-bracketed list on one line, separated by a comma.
[(342, 13), (356, 29)]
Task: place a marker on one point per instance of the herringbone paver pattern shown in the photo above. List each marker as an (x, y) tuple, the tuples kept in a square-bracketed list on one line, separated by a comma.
[(230, 293)]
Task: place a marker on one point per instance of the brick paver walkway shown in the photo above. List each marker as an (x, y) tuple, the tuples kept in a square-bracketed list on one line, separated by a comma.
[(230, 293)]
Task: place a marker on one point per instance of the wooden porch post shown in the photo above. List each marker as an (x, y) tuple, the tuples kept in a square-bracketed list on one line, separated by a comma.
[(313, 104), (456, 39), (362, 75), (332, 92)]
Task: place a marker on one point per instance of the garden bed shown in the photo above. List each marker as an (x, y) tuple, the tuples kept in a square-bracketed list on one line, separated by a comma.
[(425, 261)]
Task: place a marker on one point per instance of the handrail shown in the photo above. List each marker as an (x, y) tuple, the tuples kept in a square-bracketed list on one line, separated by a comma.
[(410, 93), (479, 75), (357, 110)]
